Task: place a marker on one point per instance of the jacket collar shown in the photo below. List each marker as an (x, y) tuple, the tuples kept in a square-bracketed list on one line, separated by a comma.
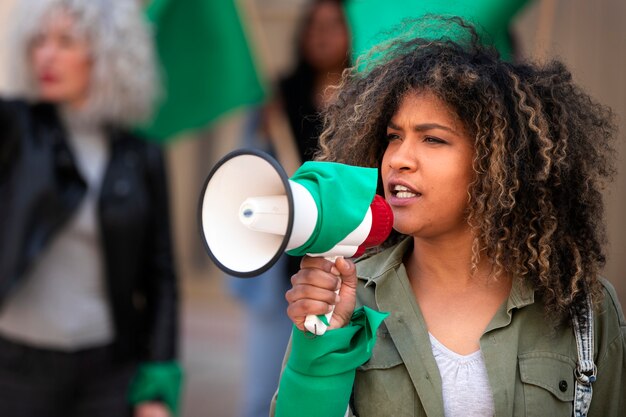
[(374, 270)]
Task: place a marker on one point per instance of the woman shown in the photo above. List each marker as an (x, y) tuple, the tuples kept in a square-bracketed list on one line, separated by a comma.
[(292, 122), (322, 53), (88, 292), (493, 172)]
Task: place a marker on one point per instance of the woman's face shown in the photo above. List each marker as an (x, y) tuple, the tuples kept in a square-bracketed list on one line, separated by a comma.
[(61, 62), (326, 41), (427, 168)]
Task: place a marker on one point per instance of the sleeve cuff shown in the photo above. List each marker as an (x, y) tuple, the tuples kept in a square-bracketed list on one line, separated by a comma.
[(158, 381)]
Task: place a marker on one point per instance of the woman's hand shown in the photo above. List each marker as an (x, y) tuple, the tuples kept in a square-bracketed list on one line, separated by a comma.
[(313, 291), (152, 409)]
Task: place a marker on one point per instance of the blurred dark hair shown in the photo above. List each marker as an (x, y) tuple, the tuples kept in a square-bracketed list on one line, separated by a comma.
[(305, 23)]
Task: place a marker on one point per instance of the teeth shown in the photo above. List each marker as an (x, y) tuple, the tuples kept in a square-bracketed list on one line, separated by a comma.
[(403, 192)]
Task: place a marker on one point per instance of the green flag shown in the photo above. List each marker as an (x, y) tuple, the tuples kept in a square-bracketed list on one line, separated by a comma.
[(207, 65), (319, 374), (371, 20), (342, 193)]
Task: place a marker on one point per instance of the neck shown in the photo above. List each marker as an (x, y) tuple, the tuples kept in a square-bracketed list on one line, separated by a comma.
[(77, 118), (447, 263)]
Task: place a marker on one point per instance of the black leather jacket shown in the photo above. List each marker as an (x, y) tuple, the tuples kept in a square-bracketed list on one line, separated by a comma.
[(40, 188)]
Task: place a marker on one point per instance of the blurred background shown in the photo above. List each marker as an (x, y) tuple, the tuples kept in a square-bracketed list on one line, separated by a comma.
[(589, 37)]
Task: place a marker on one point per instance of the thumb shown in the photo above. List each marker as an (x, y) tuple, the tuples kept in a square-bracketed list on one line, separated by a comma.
[(347, 293), (347, 270)]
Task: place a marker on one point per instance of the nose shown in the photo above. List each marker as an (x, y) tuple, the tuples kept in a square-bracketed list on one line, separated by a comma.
[(402, 156), (45, 51)]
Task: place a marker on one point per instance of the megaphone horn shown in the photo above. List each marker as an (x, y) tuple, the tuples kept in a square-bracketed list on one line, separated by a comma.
[(246, 213)]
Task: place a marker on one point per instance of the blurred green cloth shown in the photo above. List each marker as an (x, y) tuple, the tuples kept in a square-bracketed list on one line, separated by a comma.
[(342, 193), (319, 374), (369, 20), (157, 381), (207, 64)]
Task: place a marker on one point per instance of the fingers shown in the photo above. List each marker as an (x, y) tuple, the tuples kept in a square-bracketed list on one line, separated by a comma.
[(345, 306), (151, 409), (318, 262), (314, 290), (347, 270)]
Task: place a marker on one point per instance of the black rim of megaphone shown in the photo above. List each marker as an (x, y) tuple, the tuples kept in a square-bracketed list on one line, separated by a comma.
[(285, 180)]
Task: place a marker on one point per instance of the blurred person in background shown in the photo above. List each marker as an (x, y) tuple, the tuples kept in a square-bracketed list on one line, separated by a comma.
[(88, 296), (322, 53)]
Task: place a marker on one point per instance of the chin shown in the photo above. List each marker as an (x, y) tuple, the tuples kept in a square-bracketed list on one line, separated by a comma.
[(405, 230), (51, 97)]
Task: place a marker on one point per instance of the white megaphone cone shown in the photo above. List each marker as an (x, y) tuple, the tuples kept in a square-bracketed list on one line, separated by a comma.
[(251, 212)]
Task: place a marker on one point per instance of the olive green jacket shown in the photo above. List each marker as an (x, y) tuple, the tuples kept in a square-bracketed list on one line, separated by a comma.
[(530, 364)]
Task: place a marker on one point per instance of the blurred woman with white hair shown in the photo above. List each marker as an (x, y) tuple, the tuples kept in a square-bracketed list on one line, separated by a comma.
[(88, 294)]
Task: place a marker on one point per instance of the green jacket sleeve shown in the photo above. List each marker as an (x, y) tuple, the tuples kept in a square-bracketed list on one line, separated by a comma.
[(157, 381)]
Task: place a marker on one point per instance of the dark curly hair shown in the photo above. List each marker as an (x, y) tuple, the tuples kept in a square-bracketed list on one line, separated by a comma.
[(543, 152)]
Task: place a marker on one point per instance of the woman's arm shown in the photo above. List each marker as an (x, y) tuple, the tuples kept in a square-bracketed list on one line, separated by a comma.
[(159, 378), (161, 274), (9, 138)]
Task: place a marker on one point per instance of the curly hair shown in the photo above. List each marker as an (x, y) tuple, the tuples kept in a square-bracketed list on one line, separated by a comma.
[(124, 78), (542, 154)]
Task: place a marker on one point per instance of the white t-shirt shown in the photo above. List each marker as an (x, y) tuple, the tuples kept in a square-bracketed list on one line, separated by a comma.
[(465, 386)]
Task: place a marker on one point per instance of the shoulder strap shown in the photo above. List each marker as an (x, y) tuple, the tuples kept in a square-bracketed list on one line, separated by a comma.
[(586, 370)]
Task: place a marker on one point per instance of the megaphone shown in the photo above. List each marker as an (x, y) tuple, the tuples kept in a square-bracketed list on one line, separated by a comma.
[(250, 212)]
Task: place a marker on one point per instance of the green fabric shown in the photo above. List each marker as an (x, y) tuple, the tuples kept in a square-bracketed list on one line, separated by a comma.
[(207, 64), (317, 380), (371, 20), (157, 381), (343, 194)]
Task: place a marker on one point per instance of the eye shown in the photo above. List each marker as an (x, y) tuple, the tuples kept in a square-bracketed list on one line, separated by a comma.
[(38, 40), (392, 136), (434, 140)]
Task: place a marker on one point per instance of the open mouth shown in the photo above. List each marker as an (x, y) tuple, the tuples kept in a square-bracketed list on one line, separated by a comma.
[(401, 191)]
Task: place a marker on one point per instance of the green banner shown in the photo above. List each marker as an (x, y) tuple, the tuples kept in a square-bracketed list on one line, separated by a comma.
[(371, 20), (207, 65)]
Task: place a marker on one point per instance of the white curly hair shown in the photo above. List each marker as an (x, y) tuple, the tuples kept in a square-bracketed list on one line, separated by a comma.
[(124, 81)]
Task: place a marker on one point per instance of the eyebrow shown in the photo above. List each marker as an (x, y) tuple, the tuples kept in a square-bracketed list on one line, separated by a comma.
[(423, 127)]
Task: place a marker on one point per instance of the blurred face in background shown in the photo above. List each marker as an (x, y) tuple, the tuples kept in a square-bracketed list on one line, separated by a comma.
[(61, 61), (326, 40)]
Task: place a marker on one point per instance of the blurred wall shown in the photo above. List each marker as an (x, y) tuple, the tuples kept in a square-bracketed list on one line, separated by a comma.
[(5, 11)]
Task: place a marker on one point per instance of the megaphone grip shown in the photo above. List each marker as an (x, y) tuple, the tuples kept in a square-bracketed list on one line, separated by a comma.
[(382, 223)]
